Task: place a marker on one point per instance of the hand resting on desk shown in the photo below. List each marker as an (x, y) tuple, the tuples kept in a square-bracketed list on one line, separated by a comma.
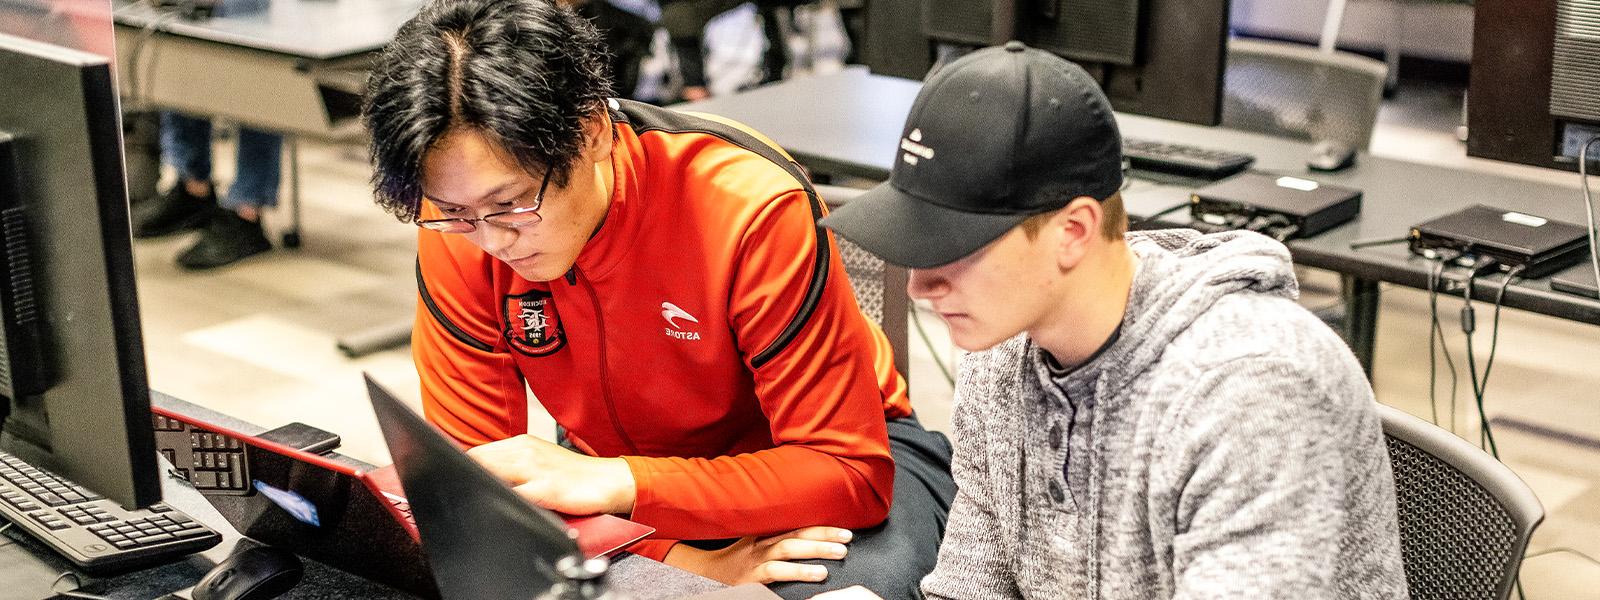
[(765, 559), (557, 478)]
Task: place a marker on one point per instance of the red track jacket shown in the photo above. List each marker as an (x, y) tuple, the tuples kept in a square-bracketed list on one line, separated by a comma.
[(707, 334)]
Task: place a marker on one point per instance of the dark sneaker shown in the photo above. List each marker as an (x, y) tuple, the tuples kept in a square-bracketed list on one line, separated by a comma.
[(172, 212), (225, 240)]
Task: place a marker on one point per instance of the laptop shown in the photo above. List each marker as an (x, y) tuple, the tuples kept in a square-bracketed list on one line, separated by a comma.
[(1577, 280), (483, 540), (354, 519)]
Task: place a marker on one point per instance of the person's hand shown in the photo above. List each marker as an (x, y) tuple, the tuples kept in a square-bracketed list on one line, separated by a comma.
[(557, 478), (854, 592), (765, 559)]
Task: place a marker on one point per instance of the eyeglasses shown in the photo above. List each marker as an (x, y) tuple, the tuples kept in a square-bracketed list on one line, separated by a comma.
[(511, 219)]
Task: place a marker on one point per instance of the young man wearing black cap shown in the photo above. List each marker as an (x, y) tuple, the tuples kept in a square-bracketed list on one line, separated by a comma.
[(1147, 414)]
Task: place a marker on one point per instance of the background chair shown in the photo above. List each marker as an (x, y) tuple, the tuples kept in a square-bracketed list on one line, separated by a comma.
[(1465, 518), (1296, 91), (880, 288)]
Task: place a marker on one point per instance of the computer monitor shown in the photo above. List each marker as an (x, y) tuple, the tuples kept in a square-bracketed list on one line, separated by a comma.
[(73, 394), (1531, 99), (1158, 58)]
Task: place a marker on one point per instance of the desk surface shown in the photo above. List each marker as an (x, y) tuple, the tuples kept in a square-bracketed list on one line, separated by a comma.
[(848, 123), (28, 568), (311, 29)]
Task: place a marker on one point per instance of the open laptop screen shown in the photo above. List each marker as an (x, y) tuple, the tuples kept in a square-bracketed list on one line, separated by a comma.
[(314, 506)]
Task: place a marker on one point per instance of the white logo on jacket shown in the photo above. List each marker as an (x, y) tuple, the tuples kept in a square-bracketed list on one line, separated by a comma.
[(672, 313)]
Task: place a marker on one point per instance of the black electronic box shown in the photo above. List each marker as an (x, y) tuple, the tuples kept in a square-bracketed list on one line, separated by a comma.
[(1539, 245), (1282, 206)]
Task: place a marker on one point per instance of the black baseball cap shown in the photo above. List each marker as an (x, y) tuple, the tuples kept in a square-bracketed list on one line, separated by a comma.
[(995, 137)]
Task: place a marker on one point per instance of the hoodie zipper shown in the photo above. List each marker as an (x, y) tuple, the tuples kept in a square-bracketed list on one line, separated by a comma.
[(605, 378)]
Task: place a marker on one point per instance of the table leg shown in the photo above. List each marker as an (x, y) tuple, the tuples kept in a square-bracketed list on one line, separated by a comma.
[(1361, 300), (291, 238)]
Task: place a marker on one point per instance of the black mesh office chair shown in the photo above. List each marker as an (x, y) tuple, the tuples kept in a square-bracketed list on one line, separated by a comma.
[(1465, 518), (880, 289)]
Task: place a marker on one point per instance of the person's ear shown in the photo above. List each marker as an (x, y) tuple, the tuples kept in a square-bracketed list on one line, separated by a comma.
[(1077, 227), (597, 135)]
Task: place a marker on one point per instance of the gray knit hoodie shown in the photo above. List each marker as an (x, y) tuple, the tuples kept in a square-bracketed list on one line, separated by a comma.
[(1224, 445)]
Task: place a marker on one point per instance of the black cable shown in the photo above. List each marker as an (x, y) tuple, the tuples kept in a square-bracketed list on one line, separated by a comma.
[(1370, 242), (1444, 344), (1588, 208), (1468, 326), (1494, 330), (1480, 386), (1438, 329), (1160, 214), (1433, 347)]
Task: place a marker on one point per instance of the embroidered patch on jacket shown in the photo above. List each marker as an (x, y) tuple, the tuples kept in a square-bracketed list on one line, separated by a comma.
[(530, 324)]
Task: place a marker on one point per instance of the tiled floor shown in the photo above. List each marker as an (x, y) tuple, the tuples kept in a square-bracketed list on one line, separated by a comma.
[(257, 340)]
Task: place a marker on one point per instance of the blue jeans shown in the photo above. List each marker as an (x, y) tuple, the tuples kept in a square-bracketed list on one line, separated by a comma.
[(186, 145)]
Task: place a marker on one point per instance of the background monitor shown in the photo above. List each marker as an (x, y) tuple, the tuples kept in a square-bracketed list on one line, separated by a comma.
[(1158, 58), (69, 278), (1535, 68)]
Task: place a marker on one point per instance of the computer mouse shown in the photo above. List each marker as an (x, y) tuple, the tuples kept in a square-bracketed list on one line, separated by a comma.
[(257, 573), (1331, 155)]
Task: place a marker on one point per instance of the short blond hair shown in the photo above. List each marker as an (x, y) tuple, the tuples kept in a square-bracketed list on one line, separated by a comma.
[(1112, 227)]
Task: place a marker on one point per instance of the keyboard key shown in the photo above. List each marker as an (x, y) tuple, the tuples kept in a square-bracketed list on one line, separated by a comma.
[(154, 539), (195, 532), (160, 507), (124, 544)]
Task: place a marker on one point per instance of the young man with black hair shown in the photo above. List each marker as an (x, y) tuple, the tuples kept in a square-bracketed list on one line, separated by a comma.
[(1146, 415), (660, 283)]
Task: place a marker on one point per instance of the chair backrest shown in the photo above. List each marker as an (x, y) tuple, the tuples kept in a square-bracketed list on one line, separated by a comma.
[(1296, 91), (879, 288), (1465, 518)]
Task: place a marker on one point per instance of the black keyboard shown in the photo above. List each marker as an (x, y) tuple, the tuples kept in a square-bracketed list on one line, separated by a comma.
[(213, 462), (1180, 159), (91, 531)]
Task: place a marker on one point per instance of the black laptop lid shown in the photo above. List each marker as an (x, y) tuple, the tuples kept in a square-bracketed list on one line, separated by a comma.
[(480, 537)]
